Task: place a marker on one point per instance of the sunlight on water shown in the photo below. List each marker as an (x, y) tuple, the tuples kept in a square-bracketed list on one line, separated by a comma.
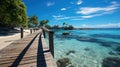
[(86, 48)]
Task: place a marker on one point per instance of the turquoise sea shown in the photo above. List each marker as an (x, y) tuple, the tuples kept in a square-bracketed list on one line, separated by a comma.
[(87, 48)]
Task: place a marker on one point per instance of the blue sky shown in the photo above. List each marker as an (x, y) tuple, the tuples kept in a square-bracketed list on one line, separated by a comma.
[(79, 13)]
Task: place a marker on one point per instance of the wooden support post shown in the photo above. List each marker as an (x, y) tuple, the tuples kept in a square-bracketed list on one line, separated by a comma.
[(21, 32), (51, 42), (34, 29), (30, 31), (43, 32)]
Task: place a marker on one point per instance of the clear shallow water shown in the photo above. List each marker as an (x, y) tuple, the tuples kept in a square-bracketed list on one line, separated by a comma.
[(90, 46)]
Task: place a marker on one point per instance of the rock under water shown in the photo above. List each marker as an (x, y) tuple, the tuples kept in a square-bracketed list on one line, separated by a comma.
[(63, 62), (86, 49), (112, 53), (111, 62), (65, 33), (118, 49), (71, 51)]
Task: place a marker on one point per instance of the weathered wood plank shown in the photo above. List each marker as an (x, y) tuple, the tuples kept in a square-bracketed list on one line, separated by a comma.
[(16, 47), (27, 52)]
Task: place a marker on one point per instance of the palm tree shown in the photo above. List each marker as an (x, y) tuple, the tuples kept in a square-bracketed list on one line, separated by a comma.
[(64, 25), (44, 22), (33, 21)]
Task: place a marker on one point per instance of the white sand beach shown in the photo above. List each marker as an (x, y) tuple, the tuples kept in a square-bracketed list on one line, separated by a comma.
[(6, 40)]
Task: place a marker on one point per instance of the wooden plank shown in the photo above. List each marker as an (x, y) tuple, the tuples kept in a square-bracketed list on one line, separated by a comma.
[(27, 52), (49, 62), (16, 47)]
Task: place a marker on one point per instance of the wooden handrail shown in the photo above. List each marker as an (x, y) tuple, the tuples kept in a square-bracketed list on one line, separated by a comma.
[(51, 41), (47, 30)]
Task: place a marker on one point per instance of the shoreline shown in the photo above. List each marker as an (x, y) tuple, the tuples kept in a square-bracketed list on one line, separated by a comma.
[(8, 39)]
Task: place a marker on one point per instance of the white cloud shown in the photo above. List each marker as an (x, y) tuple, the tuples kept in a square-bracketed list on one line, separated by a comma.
[(84, 25), (89, 16), (109, 25), (63, 9), (89, 12), (94, 15), (113, 2), (50, 4), (79, 2), (77, 19), (62, 17), (92, 10)]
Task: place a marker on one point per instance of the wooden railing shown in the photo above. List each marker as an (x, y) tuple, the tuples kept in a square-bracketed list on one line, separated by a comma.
[(50, 38), (22, 32)]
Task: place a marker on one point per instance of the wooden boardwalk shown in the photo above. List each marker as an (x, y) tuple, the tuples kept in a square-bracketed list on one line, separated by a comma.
[(30, 51)]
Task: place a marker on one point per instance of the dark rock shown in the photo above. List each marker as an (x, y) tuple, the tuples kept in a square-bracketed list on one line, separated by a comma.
[(105, 45), (112, 53), (111, 62), (71, 51), (63, 62), (65, 33), (87, 49), (118, 49), (118, 53), (71, 66)]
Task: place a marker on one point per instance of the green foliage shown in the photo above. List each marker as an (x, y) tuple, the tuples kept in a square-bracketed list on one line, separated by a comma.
[(56, 26), (13, 13), (67, 26), (44, 22), (47, 26), (70, 27), (33, 21), (64, 23)]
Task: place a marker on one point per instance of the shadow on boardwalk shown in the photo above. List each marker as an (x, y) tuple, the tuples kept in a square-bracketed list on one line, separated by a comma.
[(40, 54)]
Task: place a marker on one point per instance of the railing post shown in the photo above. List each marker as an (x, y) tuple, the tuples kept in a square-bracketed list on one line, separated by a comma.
[(21, 29), (34, 29), (51, 42), (30, 31), (43, 32)]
